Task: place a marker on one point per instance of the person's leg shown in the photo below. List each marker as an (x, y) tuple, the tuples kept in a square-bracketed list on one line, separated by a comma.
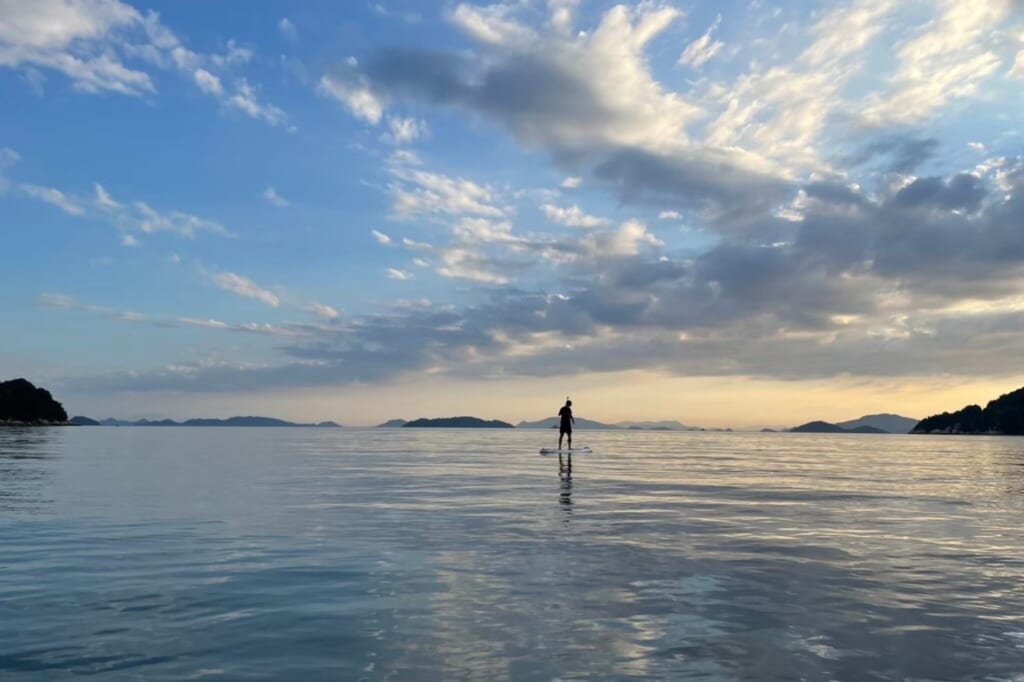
[(561, 435), (570, 440)]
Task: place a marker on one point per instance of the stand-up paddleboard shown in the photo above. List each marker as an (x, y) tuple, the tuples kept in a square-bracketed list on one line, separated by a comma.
[(566, 451)]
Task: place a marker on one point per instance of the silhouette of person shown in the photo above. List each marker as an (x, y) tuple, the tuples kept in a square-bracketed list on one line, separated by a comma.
[(567, 420)]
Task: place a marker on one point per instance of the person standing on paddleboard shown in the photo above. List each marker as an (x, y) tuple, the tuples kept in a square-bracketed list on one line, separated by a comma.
[(567, 420)]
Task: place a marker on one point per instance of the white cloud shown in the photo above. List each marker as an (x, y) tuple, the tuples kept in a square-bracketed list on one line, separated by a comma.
[(977, 146), (400, 275), (322, 311), (405, 130), (74, 38), (208, 83), (420, 192), (420, 263), (1018, 65), (381, 237), (561, 15), (246, 100), (236, 284), (702, 49), (129, 240), (136, 215), (571, 183), (353, 91), (572, 216), (86, 40), (273, 198), (491, 24), (54, 197), (287, 28), (948, 59), (415, 245), (670, 215), (463, 263)]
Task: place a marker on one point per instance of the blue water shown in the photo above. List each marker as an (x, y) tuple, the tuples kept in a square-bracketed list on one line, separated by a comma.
[(304, 554)]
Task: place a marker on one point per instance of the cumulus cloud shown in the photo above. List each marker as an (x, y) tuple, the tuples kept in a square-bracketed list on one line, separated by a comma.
[(571, 182), (572, 216), (381, 238), (242, 286)]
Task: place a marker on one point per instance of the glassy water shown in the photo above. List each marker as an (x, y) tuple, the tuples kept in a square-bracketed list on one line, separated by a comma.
[(304, 554)]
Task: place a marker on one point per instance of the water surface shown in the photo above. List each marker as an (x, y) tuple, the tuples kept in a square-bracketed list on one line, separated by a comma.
[(307, 554)]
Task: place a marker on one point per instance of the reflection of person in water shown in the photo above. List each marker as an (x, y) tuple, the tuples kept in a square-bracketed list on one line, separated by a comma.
[(565, 425), (565, 485)]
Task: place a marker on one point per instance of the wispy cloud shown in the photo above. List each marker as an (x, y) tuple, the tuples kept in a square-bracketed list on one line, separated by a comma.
[(271, 196), (242, 286), (702, 49), (400, 275)]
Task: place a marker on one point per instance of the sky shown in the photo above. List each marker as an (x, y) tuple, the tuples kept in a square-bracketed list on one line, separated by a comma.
[(734, 214)]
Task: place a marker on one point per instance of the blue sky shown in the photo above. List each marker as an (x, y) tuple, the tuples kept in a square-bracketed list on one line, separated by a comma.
[(728, 213)]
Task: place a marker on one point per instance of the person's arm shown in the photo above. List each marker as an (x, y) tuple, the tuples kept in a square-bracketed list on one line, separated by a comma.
[(572, 418)]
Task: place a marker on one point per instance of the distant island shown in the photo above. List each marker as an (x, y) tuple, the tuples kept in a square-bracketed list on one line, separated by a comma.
[(890, 423), (231, 421), (871, 423), (1003, 416), (22, 403), (458, 423), (392, 424), (826, 427), (581, 423)]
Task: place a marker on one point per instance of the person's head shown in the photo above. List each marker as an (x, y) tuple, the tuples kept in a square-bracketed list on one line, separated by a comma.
[(568, 403)]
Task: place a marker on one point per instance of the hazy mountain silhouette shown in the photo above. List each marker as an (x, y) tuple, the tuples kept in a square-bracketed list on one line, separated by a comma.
[(231, 421), (392, 424), (458, 423), (826, 427), (890, 423)]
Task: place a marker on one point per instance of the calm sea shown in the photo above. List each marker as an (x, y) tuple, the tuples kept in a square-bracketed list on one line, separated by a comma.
[(305, 554)]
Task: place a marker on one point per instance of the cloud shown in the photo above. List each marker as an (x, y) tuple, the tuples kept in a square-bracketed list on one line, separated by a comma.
[(400, 275), (208, 83), (381, 238), (405, 130), (65, 302), (703, 49), (274, 199), (670, 215), (491, 24), (949, 58), (322, 311), (352, 90), (418, 192), (54, 197), (572, 216), (246, 100), (287, 29), (595, 88), (571, 182), (74, 38), (90, 41), (236, 284), (129, 240)]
